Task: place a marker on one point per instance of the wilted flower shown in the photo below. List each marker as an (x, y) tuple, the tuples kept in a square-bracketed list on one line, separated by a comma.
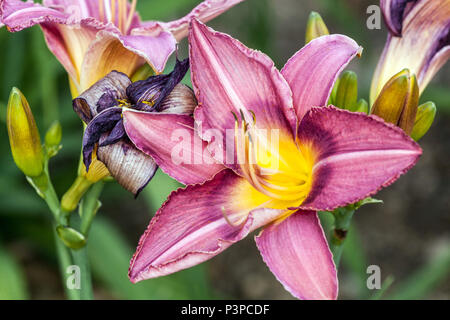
[(327, 158), (101, 108), (91, 38), (418, 40)]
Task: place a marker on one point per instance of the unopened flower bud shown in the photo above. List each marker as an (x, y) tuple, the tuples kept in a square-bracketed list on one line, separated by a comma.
[(398, 101), (424, 119), (362, 106), (347, 91), (53, 135), (71, 237), (23, 135), (315, 27)]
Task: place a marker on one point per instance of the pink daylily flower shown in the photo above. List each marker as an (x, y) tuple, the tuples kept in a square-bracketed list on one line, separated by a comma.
[(418, 40), (91, 38), (326, 158)]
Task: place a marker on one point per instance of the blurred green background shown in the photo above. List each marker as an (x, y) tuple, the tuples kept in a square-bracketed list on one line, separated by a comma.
[(408, 236)]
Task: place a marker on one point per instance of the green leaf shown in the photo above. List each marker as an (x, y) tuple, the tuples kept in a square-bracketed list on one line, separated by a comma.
[(12, 280), (368, 200), (110, 256), (424, 280), (384, 287), (354, 259)]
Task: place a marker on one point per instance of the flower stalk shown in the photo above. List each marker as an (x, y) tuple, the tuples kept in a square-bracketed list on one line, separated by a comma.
[(342, 221)]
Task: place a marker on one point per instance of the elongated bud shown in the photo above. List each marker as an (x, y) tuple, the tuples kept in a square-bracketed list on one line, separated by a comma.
[(347, 91), (332, 98), (424, 119), (53, 135), (315, 27), (23, 135), (71, 237), (362, 106), (398, 101)]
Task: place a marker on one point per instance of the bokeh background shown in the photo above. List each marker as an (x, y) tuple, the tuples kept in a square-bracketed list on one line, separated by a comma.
[(407, 236)]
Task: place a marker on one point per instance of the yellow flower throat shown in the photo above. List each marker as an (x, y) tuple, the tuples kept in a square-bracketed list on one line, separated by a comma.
[(278, 169)]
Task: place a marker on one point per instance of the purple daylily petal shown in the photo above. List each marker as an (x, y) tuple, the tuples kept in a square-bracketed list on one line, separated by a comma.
[(313, 70), (102, 95), (67, 34), (116, 134), (106, 53), (157, 88), (190, 227), (297, 253), (172, 142), (355, 156), (393, 12), (423, 48), (71, 29), (231, 78), (131, 168), (180, 101), (18, 15), (205, 11), (103, 123)]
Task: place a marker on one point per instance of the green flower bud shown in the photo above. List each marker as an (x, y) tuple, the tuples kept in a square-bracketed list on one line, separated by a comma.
[(23, 135), (71, 237), (398, 101), (334, 92), (424, 119), (53, 135), (362, 106), (347, 91), (315, 27)]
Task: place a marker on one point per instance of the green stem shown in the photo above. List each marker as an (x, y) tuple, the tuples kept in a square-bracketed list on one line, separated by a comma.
[(342, 220), (89, 207), (44, 185), (65, 261), (80, 258), (67, 256)]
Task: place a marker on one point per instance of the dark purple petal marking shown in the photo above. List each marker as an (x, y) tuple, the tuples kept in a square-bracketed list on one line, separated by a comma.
[(107, 100), (116, 134), (147, 95), (102, 123), (394, 11)]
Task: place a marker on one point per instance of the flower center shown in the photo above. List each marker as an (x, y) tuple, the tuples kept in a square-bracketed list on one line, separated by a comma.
[(273, 164), (118, 12)]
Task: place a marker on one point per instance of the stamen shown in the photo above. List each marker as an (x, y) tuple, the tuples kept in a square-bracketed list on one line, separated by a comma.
[(295, 189), (113, 11), (121, 14), (101, 10), (254, 116), (123, 103), (130, 16), (234, 225), (150, 103)]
